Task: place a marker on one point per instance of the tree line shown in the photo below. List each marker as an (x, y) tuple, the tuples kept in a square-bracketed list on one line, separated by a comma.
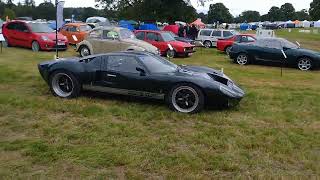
[(156, 10)]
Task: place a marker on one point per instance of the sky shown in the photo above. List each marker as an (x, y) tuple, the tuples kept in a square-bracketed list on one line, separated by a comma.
[(235, 6)]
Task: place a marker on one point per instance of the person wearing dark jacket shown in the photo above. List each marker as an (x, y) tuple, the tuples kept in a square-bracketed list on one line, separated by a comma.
[(193, 32), (181, 31)]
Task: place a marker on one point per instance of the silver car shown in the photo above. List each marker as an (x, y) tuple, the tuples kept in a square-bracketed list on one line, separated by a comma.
[(112, 39), (209, 37)]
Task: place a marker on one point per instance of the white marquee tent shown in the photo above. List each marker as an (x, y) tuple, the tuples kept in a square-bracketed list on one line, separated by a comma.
[(306, 24), (317, 24)]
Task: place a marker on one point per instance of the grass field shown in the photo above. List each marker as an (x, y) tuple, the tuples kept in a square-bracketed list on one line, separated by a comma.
[(275, 131)]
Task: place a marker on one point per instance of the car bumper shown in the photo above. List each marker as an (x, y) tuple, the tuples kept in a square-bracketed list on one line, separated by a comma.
[(229, 96), (52, 46)]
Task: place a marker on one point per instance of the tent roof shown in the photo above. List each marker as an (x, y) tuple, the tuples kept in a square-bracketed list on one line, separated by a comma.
[(198, 22)]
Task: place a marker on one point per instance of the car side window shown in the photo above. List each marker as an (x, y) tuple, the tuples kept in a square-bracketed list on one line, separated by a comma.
[(96, 34), (126, 64), (21, 27), (110, 34), (247, 39), (12, 26), (227, 34), (205, 32), (140, 35), (153, 36), (216, 33)]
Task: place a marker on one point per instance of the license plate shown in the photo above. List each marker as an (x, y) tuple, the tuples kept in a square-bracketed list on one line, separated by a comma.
[(61, 44)]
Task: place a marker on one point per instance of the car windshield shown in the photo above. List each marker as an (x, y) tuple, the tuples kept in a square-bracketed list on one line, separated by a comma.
[(173, 34), (40, 28), (84, 28), (126, 34), (157, 64), (167, 37), (288, 44)]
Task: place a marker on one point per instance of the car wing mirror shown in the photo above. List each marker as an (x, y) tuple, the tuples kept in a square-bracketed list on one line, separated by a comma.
[(284, 54), (142, 71)]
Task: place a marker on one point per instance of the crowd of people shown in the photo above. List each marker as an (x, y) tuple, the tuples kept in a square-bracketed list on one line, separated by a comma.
[(188, 31)]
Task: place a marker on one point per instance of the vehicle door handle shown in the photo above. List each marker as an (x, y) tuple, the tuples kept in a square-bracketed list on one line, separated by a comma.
[(111, 75)]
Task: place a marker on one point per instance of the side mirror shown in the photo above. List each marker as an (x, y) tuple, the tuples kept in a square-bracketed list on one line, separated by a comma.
[(142, 71)]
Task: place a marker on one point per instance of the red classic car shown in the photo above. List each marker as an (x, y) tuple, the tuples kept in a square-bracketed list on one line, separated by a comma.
[(162, 39), (226, 44)]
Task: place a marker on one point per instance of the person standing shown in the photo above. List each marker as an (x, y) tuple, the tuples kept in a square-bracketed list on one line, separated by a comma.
[(181, 31)]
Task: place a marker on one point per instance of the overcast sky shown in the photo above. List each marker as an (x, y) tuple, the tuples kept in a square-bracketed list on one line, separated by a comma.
[(235, 6)]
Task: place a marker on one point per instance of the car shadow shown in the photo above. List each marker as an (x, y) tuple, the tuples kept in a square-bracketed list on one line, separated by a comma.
[(146, 101)]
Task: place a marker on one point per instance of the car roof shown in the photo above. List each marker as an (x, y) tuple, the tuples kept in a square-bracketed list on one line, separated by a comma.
[(75, 24), (108, 28), (124, 53)]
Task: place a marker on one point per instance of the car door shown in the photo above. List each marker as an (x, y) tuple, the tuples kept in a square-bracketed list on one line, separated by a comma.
[(109, 42), (119, 72), (22, 35), (216, 34), (268, 50), (154, 39), (10, 33)]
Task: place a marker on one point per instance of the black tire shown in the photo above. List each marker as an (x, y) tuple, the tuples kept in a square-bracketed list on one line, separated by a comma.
[(84, 51), (6, 42), (187, 94), (304, 64), (64, 84), (171, 53), (242, 59), (227, 50), (207, 44), (35, 46)]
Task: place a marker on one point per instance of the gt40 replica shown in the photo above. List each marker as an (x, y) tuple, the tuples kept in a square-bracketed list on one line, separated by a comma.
[(185, 88), (276, 50)]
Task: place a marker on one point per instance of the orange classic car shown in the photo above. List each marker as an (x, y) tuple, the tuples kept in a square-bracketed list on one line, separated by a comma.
[(75, 32)]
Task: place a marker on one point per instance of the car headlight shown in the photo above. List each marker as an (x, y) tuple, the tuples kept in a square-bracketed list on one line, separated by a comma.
[(45, 38)]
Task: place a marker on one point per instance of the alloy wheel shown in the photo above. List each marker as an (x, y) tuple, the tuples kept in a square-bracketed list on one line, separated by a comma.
[(185, 99), (62, 85), (304, 64), (242, 59)]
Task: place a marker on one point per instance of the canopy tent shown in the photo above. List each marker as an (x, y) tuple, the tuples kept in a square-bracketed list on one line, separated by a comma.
[(198, 23), (126, 24), (149, 27), (244, 26), (289, 24), (317, 24), (306, 24), (172, 28), (180, 23), (298, 23)]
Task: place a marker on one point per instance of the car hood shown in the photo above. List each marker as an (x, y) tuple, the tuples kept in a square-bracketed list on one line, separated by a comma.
[(183, 39), (308, 51), (147, 46), (52, 36), (179, 43)]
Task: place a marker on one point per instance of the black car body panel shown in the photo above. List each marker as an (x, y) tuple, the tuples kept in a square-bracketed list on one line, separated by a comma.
[(273, 53), (90, 72)]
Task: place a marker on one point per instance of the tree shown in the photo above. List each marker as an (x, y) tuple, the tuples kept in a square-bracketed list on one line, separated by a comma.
[(250, 16), (302, 15), (9, 12), (315, 10), (288, 12), (219, 13), (203, 17), (274, 14), (45, 10)]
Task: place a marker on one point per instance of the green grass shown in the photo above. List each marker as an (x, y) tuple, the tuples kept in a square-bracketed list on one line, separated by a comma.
[(274, 132)]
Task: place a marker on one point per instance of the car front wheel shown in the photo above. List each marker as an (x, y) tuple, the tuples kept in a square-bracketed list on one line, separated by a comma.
[(305, 64), (207, 44), (35, 46), (64, 85), (242, 59), (84, 51), (171, 53), (186, 98)]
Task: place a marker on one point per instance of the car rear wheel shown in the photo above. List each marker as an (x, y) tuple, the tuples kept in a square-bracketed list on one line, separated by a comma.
[(242, 59), (35, 46), (186, 98), (6, 43), (207, 44), (171, 53), (64, 85), (305, 64), (228, 49), (84, 51)]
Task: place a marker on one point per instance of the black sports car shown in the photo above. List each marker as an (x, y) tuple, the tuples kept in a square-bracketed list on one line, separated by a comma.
[(185, 88), (277, 50)]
